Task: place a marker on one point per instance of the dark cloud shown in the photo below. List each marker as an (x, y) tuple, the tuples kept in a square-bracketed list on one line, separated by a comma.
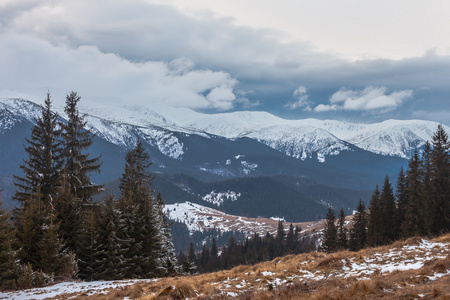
[(142, 52)]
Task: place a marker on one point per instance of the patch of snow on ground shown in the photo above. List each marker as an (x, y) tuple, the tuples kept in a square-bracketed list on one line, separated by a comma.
[(68, 288)]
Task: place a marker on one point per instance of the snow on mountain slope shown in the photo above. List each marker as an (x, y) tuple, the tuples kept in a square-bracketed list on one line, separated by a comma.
[(302, 139), (199, 218), (218, 198), (13, 110)]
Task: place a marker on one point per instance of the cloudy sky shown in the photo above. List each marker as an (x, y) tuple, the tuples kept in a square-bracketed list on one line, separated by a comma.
[(352, 60)]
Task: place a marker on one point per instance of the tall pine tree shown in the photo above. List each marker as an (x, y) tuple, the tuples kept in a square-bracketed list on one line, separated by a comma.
[(78, 165), (330, 238), (415, 215), (342, 239), (42, 169), (358, 230), (440, 182), (402, 201), (387, 204), (375, 225)]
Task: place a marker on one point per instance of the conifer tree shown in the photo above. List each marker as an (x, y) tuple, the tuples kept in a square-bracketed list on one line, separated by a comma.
[(427, 189), (290, 240), (440, 181), (214, 254), (78, 165), (43, 166), (8, 266), (330, 242), (342, 231), (30, 225), (375, 225), (140, 216), (108, 252), (402, 202), (414, 223), (87, 242), (387, 204), (50, 246), (358, 231), (168, 261), (77, 190)]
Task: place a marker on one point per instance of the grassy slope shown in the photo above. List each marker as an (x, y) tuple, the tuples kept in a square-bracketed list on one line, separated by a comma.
[(411, 269)]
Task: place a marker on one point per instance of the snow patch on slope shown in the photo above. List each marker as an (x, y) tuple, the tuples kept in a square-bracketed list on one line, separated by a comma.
[(219, 198)]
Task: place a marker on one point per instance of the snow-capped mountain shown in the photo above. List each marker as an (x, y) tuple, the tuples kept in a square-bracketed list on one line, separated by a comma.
[(228, 145)]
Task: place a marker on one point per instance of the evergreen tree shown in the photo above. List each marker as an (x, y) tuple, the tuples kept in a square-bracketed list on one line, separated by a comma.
[(87, 242), (141, 217), (8, 266), (30, 225), (440, 182), (108, 253), (402, 202), (214, 256), (42, 168), (358, 231), (77, 189), (427, 189), (330, 238), (387, 204), (189, 265), (375, 225), (290, 240), (342, 242), (168, 260), (50, 246), (414, 223), (78, 164)]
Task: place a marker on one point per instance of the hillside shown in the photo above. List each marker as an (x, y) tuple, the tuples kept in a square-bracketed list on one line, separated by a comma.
[(413, 269)]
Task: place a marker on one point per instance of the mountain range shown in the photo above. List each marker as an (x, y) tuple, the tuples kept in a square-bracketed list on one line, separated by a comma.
[(322, 162)]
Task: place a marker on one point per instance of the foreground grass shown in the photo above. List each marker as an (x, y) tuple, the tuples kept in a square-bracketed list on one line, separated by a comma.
[(411, 269)]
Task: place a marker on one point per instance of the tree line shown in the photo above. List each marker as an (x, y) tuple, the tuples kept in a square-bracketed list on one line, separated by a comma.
[(59, 232), (420, 205), (253, 250)]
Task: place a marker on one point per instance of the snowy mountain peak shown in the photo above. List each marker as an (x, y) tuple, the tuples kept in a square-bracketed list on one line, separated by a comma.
[(302, 139)]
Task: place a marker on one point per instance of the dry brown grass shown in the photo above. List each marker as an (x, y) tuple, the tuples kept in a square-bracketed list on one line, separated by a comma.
[(328, 282)]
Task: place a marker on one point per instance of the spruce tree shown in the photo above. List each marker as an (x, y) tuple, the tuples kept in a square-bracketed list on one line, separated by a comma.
[(402, 202), (108, 252), (375, 225), (440, 182), (78, 165), (43, 166), (330, 242), (168, 261), (140, 216), (342, 231), (77, 190), (87, 242), (358, 230), (427, 189), (290, 240), (387, 204), (415, 222), (8, 266), (30, 220)]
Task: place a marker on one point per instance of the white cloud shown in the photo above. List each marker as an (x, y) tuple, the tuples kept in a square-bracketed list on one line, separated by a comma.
[(35, 64), (369, 99), (301, 100)]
